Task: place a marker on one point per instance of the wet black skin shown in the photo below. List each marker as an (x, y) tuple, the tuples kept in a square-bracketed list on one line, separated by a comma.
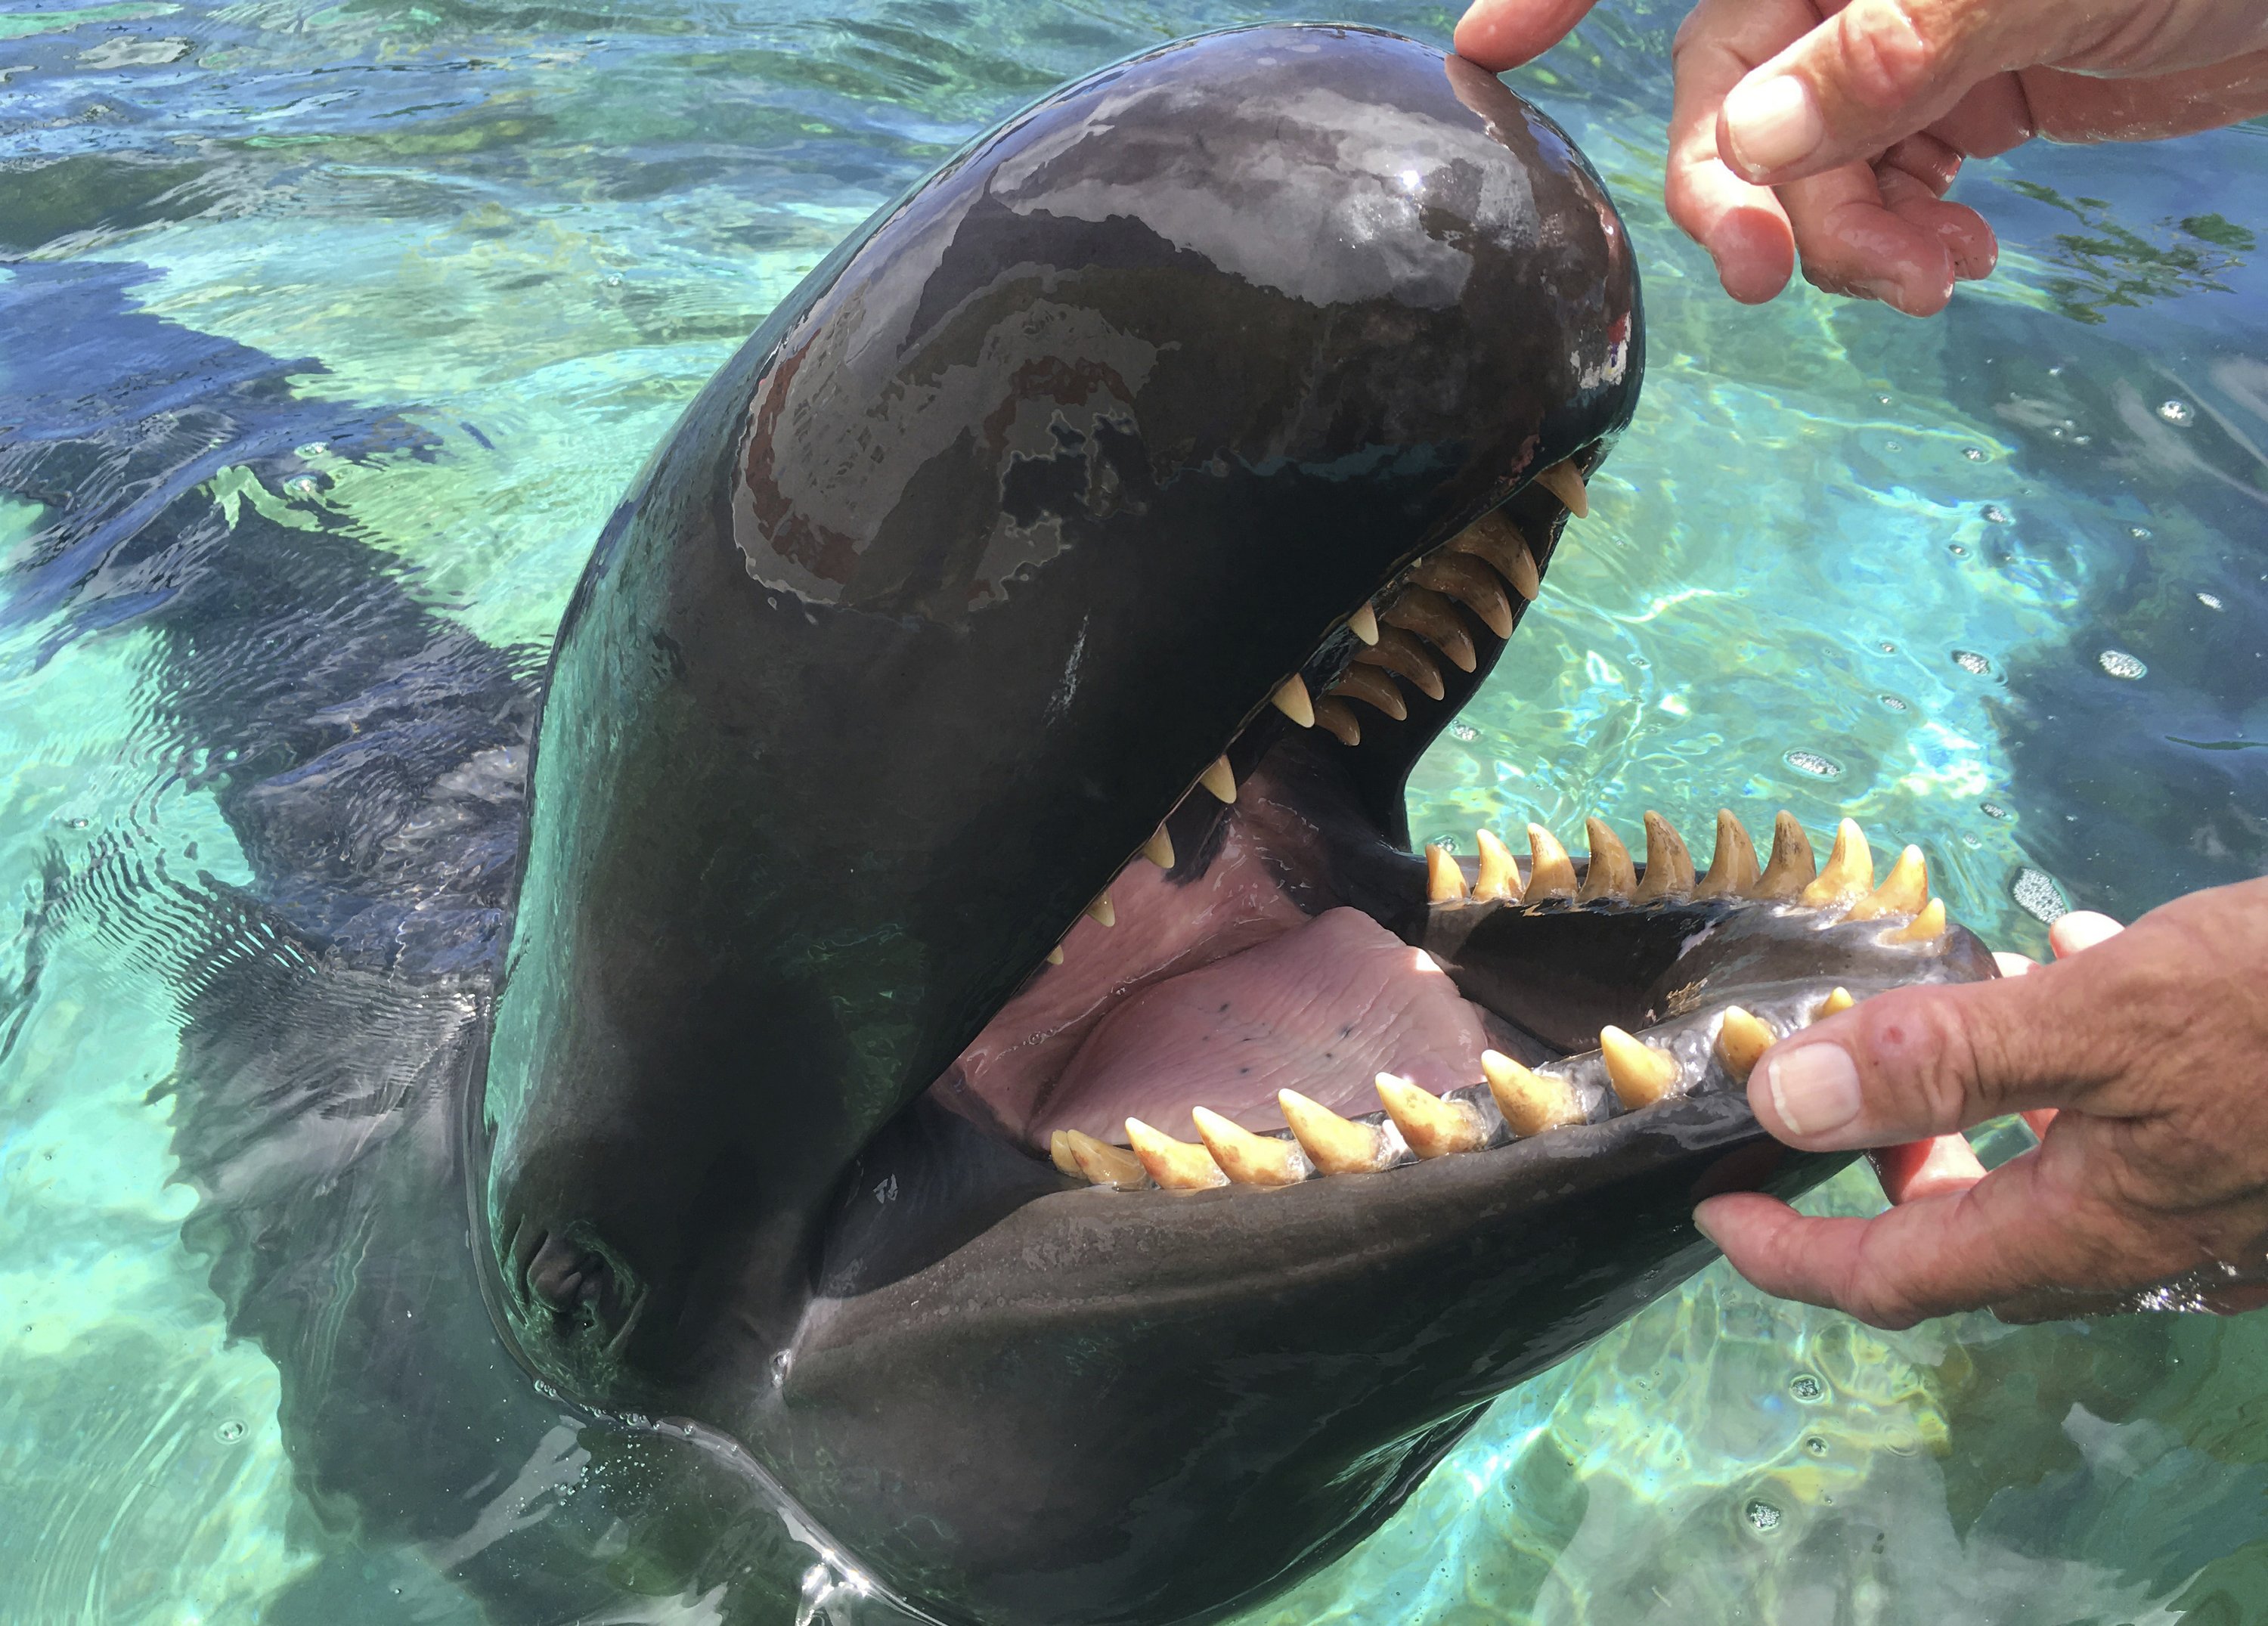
[(944, 593), (1057, 470)]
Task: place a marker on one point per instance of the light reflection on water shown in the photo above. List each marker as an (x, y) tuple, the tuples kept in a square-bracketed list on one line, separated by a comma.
[(529, 233)]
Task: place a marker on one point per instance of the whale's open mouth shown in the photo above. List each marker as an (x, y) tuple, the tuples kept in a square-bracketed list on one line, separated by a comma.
[(1275, 989)]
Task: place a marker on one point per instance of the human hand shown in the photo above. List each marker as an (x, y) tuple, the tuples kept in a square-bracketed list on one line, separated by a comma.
[(1834, 130), (2143, 1053)]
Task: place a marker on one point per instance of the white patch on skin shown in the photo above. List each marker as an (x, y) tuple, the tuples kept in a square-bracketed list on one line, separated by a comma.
[(1060, 702)]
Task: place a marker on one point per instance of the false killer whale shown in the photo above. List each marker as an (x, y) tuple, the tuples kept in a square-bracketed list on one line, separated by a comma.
[(912, 1073)]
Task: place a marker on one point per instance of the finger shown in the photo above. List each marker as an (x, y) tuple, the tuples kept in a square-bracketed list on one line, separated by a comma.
[(2013, 965), (1742, 227), (1504, 33), (1923, 1061), (1927, 158), (1852, 243), (2081, 929), (1875, 73), (2075, 107), (1922, 1168), (1991, 119), (1960, 1249), (1959, 229)]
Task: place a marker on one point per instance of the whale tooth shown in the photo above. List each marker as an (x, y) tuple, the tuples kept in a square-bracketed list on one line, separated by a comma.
[(1364, 624), (1055, 955), (1733, 869), (1470, 583), (1433, 1125), (1402, 654), (1176, 1165), (1551, 872), (1641, 1074), (1791, 865), (1247, 1158), (1610, 874), (1669, 866), (1337, 718), (1219, 780), (1564, 481), (1741, 1039), (1531, 1102), (1291, 698), (1445, 882), (1059, 1153), (1493, 537), (1333, 1145), (1903, 891), (1160, 849), (1374, 688), (1849, 871), (1101, 912), (1926, 927), (1498, 881), (1834, 1004), (1431, 617), (1102, 1163)]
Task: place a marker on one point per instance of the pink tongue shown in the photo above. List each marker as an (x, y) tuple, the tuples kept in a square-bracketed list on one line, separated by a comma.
[(1322, 1009)]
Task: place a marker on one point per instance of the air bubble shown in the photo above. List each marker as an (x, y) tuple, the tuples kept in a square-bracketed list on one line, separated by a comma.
[(1957, 550), (2040, 895), (1446, 843), (1975, 664), (1994, 514), (2140, 532), (1465, 732), (1893, 702), (2211, 601), (1994, 809), (1885, 647), (1817, 1445), (1764, 1516), (2179, 413), (1813, 763), (229, 1431), (2119, 664), (1968, 839), (1975, 455), (1807, 1388)]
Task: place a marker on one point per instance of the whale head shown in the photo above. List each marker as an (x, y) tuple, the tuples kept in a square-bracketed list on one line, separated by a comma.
[(974, 1034)]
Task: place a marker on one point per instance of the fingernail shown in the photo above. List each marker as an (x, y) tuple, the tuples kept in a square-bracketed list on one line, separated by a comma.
[(1701, 1224), (1772, 123), (1814, 1088)]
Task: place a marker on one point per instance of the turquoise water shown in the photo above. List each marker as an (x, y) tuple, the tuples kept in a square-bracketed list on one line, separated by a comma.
[(1995, 584)]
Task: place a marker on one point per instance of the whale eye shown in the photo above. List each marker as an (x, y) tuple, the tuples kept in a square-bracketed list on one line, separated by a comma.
[(577, 1282)]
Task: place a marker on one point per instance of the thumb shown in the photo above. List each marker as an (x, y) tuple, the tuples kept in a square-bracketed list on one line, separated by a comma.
[(1872, 74), (1921, 1061)]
